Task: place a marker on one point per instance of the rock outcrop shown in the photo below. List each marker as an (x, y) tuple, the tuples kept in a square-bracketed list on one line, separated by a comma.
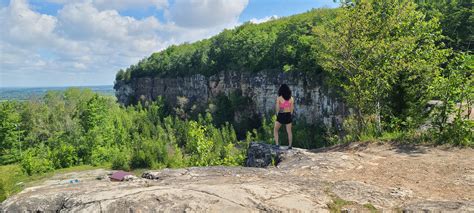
[(263, 155), (314, 101), (387, 178)]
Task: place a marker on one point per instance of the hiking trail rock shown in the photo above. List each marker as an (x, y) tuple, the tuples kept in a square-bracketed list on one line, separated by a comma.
[(387, 177)]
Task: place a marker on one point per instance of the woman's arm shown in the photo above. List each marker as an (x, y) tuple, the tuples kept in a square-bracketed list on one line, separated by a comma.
[(277, 106), (292, 105)]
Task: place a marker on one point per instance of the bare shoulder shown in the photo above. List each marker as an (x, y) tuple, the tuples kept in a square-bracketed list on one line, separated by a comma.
[(292, 100)]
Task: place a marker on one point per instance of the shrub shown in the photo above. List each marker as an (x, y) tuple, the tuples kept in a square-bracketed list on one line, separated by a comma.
[(64, 156), (102, 155), (36, 161), (120, 160), (175, 158), (199, 146)]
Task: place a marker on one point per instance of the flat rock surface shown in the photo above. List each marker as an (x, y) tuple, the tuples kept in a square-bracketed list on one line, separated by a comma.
[(389, 178)]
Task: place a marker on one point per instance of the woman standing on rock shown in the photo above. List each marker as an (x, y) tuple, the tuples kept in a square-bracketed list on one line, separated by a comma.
[(284, 109)]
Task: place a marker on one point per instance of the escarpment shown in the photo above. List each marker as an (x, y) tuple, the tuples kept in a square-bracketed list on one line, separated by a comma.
[(315, 101)]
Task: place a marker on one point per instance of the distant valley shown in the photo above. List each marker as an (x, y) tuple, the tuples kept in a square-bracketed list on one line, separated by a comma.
[(25, 93)]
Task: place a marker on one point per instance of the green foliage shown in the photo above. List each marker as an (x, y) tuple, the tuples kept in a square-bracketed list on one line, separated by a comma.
[(337, 204), (283, 43), (378, 51), (10, 133), (209, 145), (65, 129), (454, 88), (120, 75), (102, 155), (36, 161), (288, 43), (120, 160), (456, 21), (63, 156), (305, 135), (200, 146)]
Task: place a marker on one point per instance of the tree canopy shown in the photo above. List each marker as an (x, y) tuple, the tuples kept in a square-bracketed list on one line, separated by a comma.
[(284, 43)]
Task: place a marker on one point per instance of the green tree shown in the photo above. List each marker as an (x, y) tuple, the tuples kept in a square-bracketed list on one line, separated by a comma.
[(120, 75), (457, 21), (199, 145), (455, 91), (370, 44), (10, 133)]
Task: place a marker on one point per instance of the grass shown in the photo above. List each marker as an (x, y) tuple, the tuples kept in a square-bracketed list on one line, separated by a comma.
[(13, 179), (338, 204), (139, 172), (370, 207)]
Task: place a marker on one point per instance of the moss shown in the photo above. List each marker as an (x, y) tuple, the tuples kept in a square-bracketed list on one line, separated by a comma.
[(338, 203)]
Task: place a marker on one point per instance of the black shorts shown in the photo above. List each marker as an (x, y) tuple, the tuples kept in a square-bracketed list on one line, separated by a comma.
[(284, 117)]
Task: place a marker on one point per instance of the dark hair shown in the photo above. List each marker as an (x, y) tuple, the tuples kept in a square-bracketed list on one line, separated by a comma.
[(284, 91)]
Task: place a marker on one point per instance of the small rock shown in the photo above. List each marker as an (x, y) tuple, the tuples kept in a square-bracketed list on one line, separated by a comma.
[(401, 193), (130, 178), (150, 175)]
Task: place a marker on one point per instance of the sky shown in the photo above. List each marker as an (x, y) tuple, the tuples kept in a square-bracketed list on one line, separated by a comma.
[(85, 42)]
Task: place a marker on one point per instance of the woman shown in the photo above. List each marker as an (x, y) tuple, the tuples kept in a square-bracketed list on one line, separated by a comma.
[(284, 109)]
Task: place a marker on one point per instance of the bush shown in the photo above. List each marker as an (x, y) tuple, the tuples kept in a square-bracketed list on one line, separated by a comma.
[(199, 146), (120, 161), (64, 156), (36, 161), (102, 155), (176, 158)]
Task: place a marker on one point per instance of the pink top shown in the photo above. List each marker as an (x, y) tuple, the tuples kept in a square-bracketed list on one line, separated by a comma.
[(285, 104)]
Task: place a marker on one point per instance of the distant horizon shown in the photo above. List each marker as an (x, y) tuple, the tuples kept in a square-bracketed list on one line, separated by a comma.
[(33, 87)]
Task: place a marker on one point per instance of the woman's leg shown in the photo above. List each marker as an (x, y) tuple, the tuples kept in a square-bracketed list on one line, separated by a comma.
[(290, 135), (275, 131)]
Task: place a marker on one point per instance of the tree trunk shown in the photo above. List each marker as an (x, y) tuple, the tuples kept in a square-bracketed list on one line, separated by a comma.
[(360, 122), (378, 118)]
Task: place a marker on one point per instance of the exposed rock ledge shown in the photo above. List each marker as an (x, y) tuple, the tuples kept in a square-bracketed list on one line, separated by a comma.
[(387, 177)]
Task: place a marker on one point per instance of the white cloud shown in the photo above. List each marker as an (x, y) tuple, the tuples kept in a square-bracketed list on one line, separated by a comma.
[(118, 4), (205, 13), (86, 44), (264, 19), (23, 26)]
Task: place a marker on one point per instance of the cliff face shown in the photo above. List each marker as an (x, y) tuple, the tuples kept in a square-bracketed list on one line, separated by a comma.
[(314, 102)]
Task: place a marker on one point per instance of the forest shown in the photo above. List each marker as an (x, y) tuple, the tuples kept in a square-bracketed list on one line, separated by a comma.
[(404, 67)]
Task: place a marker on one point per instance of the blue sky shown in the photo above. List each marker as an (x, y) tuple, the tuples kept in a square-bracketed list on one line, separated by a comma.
[(85, 42)]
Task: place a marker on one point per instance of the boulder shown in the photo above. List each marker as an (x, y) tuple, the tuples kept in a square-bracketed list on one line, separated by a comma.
[(261, 155)]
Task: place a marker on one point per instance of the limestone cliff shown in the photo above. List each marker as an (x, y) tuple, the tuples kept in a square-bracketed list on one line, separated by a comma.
[(314, 101)]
